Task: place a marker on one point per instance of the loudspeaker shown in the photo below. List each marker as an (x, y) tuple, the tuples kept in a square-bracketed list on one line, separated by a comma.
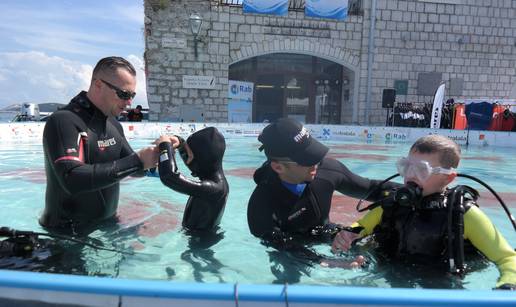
[(388, 98)]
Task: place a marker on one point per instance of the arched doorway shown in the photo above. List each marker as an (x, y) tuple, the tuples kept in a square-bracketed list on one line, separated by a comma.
[(308, 88)]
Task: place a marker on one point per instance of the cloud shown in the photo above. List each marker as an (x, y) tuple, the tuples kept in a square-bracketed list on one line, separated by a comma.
[(141, 88), (72, 30), (36, 77)]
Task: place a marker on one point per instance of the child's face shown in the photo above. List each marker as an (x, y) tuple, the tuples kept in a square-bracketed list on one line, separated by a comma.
[(435, 181)]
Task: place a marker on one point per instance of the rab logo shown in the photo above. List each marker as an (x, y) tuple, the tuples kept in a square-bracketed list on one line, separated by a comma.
[(298, 137), (106, 143)]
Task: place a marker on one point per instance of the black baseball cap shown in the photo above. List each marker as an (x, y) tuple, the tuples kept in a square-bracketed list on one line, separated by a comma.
[(288, 139)]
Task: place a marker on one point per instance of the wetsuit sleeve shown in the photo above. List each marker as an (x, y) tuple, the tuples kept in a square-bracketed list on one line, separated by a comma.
[(260, 214), (172, 178), (62, 143), (369, 221), (127, 151), (349, 183), (481, 232)]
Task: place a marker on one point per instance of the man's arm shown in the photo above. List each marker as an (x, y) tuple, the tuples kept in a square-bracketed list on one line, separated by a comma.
[(349, 183), (64, 148), (481, 232)]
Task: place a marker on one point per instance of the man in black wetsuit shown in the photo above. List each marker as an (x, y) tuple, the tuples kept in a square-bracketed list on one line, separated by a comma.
[(292, 199), (86, 153)]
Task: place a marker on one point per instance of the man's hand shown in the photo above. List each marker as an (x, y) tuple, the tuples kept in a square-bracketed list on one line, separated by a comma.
[(169, 139), (342, 263), (343, 241), (149, 157)]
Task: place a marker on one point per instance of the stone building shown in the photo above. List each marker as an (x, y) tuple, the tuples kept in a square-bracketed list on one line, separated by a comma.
[(323, 70)]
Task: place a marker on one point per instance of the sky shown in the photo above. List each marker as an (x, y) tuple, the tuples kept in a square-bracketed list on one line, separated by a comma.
[(48, 48)]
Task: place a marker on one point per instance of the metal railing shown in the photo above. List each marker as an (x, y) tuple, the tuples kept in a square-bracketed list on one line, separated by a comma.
[(354, 6)]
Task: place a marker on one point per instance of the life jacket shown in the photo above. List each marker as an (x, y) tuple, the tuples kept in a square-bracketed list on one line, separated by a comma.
[(419, 232)]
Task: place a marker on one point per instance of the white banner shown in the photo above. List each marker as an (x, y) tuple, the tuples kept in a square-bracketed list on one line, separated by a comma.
[(435, 121), (334, 9), (273, 7)]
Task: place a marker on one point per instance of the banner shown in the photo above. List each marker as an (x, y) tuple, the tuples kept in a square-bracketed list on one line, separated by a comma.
[(334, 9), (272, 7), (240, 103), (240, 111), (435, 121), (240, 90)]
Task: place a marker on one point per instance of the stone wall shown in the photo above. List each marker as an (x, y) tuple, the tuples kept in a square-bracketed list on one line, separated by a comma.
[(470, 45)]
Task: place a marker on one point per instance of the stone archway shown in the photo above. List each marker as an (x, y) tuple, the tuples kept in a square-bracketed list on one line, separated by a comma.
[(299, 46)]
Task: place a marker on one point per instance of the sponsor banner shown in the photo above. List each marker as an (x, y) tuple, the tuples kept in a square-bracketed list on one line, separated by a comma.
[(334, 9), (33, 132), (240, 111), (271, 7), (240, 90)]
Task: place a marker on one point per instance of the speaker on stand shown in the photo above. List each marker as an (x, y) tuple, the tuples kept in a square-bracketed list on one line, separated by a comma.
[(388, 99)]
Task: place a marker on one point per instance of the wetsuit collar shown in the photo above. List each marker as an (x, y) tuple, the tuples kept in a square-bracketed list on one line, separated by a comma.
[(85, 103)]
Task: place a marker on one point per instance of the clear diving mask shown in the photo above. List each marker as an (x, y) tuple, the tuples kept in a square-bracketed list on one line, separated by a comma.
[(419, 169)]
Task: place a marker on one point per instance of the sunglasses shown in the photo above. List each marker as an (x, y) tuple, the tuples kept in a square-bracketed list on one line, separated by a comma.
[(122, 94), (288, 161)]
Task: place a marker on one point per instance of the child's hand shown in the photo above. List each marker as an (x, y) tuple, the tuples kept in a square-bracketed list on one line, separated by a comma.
[(190, 153), (343, 241)]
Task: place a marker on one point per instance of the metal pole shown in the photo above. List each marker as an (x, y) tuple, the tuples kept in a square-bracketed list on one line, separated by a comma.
[(370, 58), (195, 47)]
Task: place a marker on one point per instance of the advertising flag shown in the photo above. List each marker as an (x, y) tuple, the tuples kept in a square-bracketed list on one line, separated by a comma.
[(334, 9), (435, 121), (272, 7)]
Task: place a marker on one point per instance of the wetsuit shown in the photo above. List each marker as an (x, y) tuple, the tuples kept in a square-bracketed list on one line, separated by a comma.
[(86, 155), (419, 233), (134, 117), (208, 195), (276, 214)]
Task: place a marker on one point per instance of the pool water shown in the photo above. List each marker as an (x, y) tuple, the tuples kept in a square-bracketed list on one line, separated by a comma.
[(150, 223)]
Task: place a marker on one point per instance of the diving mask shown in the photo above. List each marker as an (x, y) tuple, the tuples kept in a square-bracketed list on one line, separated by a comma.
[(419, 169)]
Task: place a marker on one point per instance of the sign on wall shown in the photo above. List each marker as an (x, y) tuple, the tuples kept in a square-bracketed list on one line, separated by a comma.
[(173, 42), (201, 82), (401, 87), (334, 9), (272, 7), (240, 90)]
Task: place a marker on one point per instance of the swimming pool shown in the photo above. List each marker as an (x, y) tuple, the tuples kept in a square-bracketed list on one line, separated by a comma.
[(150, 219)]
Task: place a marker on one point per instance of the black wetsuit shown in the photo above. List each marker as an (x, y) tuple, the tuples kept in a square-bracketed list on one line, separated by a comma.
[(208, 195), (276, 214), (86, 155)]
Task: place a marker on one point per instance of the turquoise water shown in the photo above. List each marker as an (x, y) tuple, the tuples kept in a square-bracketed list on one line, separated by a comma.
[(150, 222)]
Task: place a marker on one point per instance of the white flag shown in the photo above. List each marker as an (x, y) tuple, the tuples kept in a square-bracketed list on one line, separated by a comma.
[(435, 121)]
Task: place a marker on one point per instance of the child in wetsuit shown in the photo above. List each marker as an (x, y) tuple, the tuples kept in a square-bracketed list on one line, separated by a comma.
[(418, 230), (202, 152)]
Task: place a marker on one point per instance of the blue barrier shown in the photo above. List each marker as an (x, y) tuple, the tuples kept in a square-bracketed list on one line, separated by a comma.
[(253, 293)]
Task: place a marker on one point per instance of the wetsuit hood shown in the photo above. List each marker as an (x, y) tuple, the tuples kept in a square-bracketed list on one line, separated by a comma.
[(208, 146)]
